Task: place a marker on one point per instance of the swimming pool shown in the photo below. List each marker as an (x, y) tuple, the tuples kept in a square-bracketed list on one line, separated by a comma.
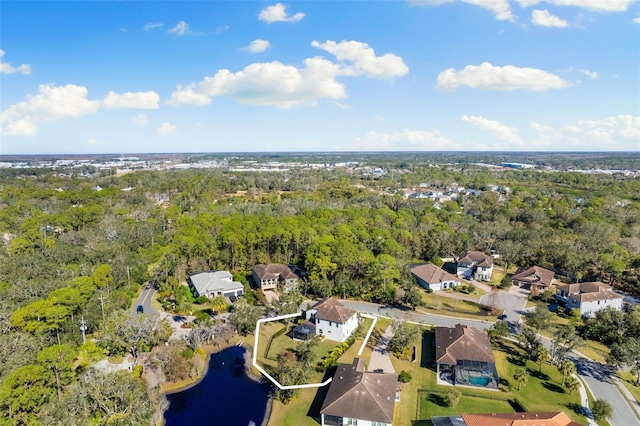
[(480, 381)]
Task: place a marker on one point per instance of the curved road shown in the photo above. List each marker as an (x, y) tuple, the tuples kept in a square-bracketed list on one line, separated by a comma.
[(596, 375)]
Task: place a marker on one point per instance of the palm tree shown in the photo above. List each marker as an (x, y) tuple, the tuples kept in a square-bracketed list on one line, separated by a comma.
[(572, 384), (521, 376), (567, 368), (543, 355)]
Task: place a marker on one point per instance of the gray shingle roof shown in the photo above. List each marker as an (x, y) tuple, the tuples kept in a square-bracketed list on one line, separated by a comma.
[(214, 281)]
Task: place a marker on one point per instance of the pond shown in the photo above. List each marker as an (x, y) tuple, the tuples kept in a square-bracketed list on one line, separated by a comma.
[(225, 396)]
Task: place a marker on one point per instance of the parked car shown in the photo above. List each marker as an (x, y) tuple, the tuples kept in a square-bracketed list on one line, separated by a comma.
[(140, 308)]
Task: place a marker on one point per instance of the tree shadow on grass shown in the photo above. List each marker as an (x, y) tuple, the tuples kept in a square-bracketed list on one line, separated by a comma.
[(553, 387), (576, 408), (538, 374), (437, 399), (421, 423), (517, 360), (508, 349), (427, 355), (316, 404)]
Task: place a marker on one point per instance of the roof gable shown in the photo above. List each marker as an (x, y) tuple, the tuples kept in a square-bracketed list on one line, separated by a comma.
[(462, 343), (331, 310), (534, 275), (361, 395), (431, 274)]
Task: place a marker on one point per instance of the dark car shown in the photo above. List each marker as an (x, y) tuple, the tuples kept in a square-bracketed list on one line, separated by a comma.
[(140, 308), (502, 317)]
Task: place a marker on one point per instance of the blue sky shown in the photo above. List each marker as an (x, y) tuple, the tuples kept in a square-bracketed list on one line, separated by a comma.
[(209, 76)]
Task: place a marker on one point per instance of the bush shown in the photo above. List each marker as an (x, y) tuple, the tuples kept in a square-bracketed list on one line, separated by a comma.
[(404, 377), (137, 371), (200, 300), (471, 288), (201, 316), (452, 397), (506, 282)]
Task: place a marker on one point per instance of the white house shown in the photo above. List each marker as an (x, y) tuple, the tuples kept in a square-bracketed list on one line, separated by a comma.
[(476, 265), (433, 278), (215, 283), (332, 320), (361, 398), (588, 297)]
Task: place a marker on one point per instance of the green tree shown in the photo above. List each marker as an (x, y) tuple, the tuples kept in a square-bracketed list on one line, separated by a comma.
[(244, 317), (601, 409), (542, 355), (566, 368), (626, 354), (452, 397), (59, 359), (540, 318), (23, 392), (572, 384), (521, 376), (404, 335)]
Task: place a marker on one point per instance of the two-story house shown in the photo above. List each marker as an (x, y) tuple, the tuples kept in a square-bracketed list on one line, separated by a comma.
[(267, 277), (330, 319), (588, 297), (475, 265)]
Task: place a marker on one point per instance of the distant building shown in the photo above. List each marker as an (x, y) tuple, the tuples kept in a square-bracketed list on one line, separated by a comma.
[(588, 297), (215, 283), (533, 277), (357, 397), (433, 278), (475, 265), (268, 276)]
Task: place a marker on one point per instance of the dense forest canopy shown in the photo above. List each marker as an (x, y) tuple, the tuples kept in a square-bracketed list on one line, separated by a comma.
[(71, 251)]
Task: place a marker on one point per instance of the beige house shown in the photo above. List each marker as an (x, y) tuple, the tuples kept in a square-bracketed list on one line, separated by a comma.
[(533, 277), (475, 265), (433, 278), (268, 276)]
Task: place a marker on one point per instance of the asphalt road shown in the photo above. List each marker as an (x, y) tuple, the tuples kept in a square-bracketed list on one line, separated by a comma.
[(145, 300)]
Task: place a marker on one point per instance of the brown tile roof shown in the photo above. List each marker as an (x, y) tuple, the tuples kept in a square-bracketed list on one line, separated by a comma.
[(557, 418), (331, 310), (588, 292), (534, 275), (462, 343), (477, 257), (272, 271), (361, 395), (432, 274)]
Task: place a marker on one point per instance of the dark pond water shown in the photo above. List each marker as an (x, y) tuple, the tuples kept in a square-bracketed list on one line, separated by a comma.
[(225, 397)]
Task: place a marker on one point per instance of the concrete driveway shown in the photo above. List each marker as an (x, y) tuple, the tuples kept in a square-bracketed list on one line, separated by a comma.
[(511, 303), (380, 359)]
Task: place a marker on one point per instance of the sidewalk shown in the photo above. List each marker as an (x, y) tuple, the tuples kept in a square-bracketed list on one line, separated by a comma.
[(584, 400)]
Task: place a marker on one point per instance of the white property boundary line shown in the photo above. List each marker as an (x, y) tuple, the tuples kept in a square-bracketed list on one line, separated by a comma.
[(366, 338), (267, 375)]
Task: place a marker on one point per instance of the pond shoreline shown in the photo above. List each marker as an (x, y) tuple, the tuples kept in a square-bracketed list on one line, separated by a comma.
[(213, 350)]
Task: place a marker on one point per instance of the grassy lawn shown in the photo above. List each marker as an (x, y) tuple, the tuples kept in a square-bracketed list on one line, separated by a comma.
[(439, 304), (305, 410), (543, 391), (432, 404), (629, 380)]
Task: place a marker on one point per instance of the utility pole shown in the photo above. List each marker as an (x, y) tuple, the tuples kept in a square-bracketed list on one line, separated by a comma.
[(128, 276), (83, 328), (102, 304)]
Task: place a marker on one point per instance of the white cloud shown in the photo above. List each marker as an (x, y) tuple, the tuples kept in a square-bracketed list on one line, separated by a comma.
[(612, 131), (70, 101), (131, 100), (543, 18), (92, 141), (505, 133), (6, 68), (222, 29), (489, 77), (363, 60), (500, 8), (22, 127), (636, 20), (274, 83), (591, 74), (181, 29), (152, 25), (188, 96), (406, 140), (592, 5), (140, 119), (258, 46), (278, 13), (166, 128), (286, 86)]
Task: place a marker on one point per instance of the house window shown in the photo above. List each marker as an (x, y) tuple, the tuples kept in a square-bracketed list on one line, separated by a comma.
[(352, 422), (378, 424), (321, 331), (329, 323)]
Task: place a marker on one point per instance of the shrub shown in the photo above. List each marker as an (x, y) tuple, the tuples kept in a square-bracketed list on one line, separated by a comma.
[(506, 282), (137, 371), (452, 397), (404, 377)]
